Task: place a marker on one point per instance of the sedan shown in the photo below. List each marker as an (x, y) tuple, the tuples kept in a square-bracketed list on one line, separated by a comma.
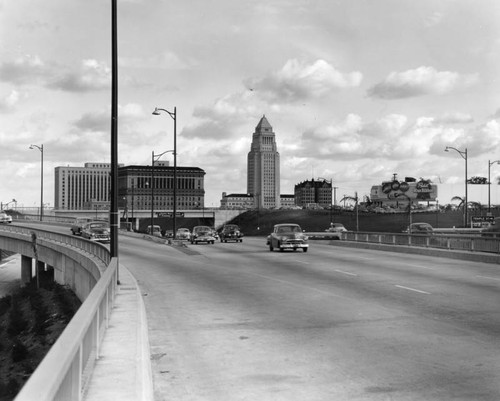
[(202, 234), (288, 236), (183, 233), (96, 231), (5, 218)]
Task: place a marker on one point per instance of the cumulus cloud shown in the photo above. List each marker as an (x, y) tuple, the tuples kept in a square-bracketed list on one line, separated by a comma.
[(419, 82), (455, 118), (9, 102), (297, 81), (24, 70), (92, 75), (32, 70)]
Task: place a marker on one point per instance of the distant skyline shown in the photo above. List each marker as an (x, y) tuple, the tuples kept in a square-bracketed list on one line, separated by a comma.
[(355, 90)]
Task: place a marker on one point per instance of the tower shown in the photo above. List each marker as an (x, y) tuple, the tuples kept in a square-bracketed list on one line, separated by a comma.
[(263, 168)]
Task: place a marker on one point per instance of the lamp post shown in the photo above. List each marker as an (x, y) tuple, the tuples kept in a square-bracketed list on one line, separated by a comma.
[(462, 154), (40, 148), (157, 111), (490, 163), (153, 156)]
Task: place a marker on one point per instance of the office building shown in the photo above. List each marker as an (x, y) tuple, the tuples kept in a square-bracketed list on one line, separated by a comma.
[(313, 193)]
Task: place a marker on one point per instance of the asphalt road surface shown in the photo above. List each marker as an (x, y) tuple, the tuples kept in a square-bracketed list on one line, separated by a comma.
[(237, 322)]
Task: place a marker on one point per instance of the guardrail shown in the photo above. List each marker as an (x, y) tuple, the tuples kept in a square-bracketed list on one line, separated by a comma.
[(441, 241), (64, 372), (94, 248)]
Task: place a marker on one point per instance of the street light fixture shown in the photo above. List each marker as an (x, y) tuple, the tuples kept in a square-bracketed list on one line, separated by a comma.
[(40, 148), (463, 154), (157, 111), (153, 159), (490, 163)]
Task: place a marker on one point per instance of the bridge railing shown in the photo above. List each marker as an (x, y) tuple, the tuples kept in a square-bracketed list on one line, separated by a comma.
[(66, 369), (94, 248), (451, 242)]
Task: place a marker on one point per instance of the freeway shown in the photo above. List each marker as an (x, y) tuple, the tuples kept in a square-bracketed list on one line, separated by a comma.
[(237, 322)]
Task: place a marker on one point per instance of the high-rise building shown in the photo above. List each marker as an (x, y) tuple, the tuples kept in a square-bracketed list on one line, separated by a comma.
[(82, 188), (263, 173), (314, 193)]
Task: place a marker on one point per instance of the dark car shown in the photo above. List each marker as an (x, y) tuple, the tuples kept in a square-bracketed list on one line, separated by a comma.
[(96, 231), (231, 232), (202, 234), (420, 228), (287, 236), (76, 227)]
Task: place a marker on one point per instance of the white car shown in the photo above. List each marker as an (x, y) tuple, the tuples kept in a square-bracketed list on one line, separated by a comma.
[(5, 218)]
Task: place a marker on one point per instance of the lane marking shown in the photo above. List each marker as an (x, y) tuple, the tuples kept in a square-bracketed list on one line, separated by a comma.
[(413, 289), (344, 272), (419, 266), (490, 278)]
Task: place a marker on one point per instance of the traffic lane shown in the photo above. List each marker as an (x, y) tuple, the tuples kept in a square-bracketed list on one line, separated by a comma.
[(467, 291), (233, 326)]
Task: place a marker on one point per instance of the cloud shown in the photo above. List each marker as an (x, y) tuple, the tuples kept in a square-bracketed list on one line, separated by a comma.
[(32, 70), (454, 118), (297, 81), (24, 70), (419, 82), (9, 102), (91, 76)]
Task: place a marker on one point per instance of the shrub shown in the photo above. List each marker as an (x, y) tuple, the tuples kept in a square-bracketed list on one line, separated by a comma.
[(17, 322), (19, 351)]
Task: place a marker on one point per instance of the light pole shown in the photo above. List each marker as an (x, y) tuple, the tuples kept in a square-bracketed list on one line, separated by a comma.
[(153, 156), (490, 163), (40, 148), (463, 154), (157, 111)]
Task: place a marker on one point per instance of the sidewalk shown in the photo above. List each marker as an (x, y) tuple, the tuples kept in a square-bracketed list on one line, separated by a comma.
[(123, 370)]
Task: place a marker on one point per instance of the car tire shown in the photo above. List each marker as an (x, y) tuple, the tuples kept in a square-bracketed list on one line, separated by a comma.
[(271, 247), (305, 249)]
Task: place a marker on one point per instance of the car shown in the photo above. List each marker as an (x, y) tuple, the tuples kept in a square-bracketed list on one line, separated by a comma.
[(76, 227), (156, 232), (231, 232), (202, 234), (183, 233), (493, 230), (419, 228), (288, 236), (96, 231), (5, 218), (336, 228)]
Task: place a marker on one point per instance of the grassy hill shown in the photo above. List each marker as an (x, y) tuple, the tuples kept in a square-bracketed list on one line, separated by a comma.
[(261, 222)]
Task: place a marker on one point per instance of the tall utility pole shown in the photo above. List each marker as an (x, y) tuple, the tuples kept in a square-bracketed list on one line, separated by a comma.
[(113, 212)]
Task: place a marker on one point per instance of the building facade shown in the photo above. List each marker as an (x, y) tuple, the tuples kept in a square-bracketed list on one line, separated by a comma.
[(82, 188), (314, 192), (287, 201), (135, 192), (263, 167), (236, 201)]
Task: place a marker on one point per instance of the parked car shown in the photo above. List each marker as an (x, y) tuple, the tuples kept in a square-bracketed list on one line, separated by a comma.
[(183, 233), (76, 227), (288, 236), (96, 231), (419, 228), (5, 218), (231, 232), (493, 230), (202, 234), (156, 232)]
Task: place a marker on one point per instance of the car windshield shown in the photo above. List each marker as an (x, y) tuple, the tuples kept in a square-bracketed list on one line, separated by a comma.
[(202, 229), (97, 225), (288, 229)]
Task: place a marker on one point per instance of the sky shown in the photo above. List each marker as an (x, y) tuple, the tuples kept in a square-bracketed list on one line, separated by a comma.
[(355, 90)]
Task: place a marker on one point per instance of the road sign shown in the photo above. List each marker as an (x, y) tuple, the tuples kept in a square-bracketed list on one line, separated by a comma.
[(170, 214)]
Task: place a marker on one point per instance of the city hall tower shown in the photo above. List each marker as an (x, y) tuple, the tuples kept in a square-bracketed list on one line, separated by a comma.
[(263, 169)]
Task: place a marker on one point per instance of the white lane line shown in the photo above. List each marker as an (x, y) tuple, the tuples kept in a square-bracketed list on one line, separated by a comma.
[(412, 289), (305, 263), (419, 266), (490, 278), (348, 273)]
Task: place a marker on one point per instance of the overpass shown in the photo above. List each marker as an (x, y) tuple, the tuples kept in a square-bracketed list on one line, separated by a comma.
[(66, 372)]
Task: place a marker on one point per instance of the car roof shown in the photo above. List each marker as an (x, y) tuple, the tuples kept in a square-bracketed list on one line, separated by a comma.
[(286, 225)]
